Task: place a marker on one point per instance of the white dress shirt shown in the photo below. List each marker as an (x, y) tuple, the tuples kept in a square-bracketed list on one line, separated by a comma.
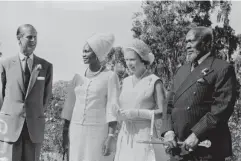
[(22, 58), (201, 60)]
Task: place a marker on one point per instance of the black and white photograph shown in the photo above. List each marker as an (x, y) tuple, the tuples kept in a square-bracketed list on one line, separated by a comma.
[(120, 80)]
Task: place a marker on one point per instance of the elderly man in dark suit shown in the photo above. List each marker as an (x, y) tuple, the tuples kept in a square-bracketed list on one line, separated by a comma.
[(202, 100)]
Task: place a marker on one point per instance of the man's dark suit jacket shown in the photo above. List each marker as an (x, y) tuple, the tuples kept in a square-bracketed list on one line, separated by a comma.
[(201, 103)]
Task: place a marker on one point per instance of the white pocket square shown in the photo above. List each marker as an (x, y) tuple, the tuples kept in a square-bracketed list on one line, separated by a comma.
[(40, 78)]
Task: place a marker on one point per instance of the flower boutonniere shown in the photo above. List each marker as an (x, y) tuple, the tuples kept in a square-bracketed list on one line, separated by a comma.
[(201, 80), (39, 67), (205, 71)]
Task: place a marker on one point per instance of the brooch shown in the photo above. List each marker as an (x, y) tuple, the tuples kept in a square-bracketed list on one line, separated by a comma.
[(205, 71)]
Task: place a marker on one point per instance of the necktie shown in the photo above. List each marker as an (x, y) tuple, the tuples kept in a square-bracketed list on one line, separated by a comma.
[(27, 74)]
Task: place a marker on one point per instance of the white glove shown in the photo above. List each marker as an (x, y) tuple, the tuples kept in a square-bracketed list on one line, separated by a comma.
[(169, 139), (135, 113), (169, 136)]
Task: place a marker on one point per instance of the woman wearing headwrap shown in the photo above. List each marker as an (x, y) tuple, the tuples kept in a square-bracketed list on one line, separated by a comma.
[(142, 96), (92, 99)]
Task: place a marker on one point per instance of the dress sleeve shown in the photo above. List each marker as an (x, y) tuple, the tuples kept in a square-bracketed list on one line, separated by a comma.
[(112, 97), (70, 99), (159, 95)]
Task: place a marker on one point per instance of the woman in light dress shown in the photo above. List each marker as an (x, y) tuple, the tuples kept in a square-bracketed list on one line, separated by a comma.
[(89, 106), (142, 96)]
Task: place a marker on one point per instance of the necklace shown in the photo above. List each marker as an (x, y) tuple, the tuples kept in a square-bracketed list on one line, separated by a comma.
[(135, 80), (91, 73)]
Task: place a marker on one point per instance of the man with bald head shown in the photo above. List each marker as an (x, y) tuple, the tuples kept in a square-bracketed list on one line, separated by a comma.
[(26, 87), (202, 100)]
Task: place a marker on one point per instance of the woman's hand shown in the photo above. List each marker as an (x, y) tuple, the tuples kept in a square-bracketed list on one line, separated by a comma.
[(107, 145), (127, 114), (135, 113)]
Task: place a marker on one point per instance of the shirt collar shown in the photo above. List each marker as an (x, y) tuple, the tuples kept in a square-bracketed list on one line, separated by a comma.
[(22, 56), (203, 58)]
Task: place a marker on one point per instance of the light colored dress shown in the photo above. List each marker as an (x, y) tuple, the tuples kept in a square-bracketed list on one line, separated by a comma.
[(94, 100), (140, 96)]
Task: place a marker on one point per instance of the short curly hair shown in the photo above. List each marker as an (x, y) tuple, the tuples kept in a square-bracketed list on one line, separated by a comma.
[(116, 55)]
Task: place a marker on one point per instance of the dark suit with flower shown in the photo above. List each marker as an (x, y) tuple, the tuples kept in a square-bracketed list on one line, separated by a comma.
[(201, 103)]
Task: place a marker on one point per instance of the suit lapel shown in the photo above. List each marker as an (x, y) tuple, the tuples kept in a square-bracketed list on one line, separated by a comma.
[(18, 71), (182, 75), (193, 77), (34, 74)]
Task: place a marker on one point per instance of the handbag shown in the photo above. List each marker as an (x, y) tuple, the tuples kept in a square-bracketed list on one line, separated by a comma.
[(156, 151)]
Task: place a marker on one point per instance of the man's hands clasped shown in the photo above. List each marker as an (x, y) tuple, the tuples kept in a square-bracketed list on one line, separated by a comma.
[(170, 142), (174, 147)]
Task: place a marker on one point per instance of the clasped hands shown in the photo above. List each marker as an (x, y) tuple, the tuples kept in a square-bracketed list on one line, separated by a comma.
[(126, 114), (188, 145)]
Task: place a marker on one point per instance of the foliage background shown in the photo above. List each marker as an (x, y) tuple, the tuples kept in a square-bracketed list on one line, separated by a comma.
[(163, 26)]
